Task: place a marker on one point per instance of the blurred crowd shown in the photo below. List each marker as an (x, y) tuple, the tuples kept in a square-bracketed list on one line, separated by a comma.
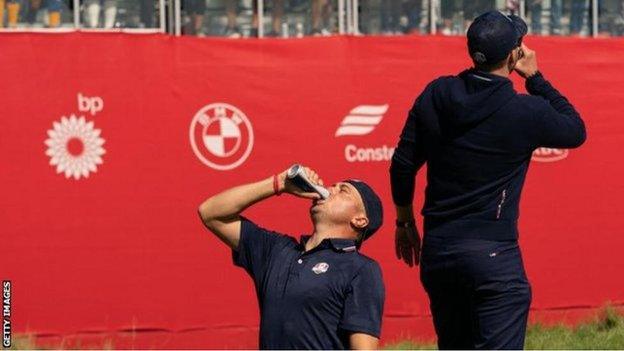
[(575, 17), (235, 19), (104, 14), (297, 18)]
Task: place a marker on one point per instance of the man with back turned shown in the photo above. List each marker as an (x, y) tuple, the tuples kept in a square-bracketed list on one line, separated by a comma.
[(476, 135)]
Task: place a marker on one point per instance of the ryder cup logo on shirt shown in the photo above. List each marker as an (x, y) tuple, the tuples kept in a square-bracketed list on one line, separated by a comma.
[(545, 154), (74, 147), (320, 267), (221, 136)]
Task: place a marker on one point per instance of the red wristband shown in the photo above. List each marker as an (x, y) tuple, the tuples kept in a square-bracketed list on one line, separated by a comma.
[(276, 185)]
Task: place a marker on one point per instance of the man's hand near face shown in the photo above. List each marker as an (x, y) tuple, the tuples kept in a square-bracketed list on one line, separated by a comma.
[(527, 65)]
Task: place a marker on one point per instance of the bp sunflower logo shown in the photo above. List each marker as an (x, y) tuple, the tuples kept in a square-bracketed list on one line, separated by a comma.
[(75, 147)]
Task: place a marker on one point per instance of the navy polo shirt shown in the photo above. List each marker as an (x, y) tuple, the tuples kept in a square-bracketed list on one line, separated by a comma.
[(314, 299)]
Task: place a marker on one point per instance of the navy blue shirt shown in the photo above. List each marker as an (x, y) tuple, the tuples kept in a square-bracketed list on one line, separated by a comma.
[(314, 299)]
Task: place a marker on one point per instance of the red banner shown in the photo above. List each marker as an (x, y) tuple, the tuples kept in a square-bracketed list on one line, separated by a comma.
[(109, 142)]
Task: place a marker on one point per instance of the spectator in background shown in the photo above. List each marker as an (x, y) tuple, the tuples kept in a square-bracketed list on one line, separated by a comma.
[(474, 8), (321, 11), (579, 10), (92, 13), (556, 8), (231, 10), (33, 8), (413, 8), (55, 8), (195, 9), (536, 7), (618, 21), (448, 8), (392, 11), (610, 20), (601, 20), (390, 14), (147, 13), (13, 8), (513, 7), (365, 16), (277, 13), (233, 31)]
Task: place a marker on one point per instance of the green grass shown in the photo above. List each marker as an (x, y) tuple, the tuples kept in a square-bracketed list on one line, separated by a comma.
[(27, 342), (411, 345), (22, 342), (606, 331)]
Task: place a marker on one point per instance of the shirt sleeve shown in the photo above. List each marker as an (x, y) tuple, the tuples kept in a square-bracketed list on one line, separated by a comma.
[(364, 303), (558, 123), (255, 247), (408, 157)]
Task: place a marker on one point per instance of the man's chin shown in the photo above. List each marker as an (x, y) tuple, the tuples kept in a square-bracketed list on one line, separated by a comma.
[(316, 209)]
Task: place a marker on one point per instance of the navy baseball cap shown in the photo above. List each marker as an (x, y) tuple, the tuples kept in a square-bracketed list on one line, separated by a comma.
[(372, 206), (493, 35)]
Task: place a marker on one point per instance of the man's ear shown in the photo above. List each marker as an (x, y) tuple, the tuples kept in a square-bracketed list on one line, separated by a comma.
[(514, 57), (511, 61), (359, 221)]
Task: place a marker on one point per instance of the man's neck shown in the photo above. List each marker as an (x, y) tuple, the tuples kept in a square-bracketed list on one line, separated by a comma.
[(326, 231), (501, 72)]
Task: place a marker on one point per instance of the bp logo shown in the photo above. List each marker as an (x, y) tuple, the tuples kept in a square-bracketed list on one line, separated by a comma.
[(221, 136), (75, 147)]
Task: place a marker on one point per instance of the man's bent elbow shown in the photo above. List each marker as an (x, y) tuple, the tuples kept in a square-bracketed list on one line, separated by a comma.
[(581, 136), (206, 214)]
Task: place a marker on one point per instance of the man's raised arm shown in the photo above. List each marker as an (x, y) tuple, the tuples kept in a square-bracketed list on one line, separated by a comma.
[(221, 213), (558, 124)]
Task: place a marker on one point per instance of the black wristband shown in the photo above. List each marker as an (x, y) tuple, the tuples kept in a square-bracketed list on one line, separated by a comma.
[(405, 224)]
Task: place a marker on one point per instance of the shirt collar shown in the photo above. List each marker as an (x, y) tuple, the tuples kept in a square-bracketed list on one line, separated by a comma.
[(485, 76), (337, 244)]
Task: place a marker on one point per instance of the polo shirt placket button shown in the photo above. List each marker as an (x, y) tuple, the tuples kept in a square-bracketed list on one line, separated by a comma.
[(300, 261)]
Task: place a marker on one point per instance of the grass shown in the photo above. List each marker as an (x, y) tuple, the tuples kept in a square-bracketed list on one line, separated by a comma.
[(27, 342), (410, 345), (605, 332), (21, 342)]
